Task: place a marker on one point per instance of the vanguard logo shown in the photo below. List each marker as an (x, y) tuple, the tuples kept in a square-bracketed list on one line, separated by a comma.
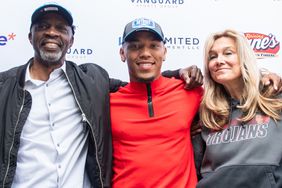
[(263, 45), (79, 53), (5, 39), (167, 2), (157, 3)]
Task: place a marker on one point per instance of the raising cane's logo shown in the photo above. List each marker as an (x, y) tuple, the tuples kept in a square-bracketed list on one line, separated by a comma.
[(263, 45)]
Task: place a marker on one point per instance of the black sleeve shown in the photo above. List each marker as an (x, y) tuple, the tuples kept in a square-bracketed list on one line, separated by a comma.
[(199, 149), (171, 73), (9, 73), (115, 84)]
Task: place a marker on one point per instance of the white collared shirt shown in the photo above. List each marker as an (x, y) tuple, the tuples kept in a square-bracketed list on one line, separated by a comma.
[(53, 143)]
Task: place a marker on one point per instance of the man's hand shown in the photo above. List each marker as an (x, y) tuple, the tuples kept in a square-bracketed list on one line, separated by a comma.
[(196, 129), (274, 79), (192, 76)]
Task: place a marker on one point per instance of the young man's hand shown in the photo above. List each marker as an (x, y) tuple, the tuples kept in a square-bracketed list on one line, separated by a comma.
[(192, 76), (274, 79)]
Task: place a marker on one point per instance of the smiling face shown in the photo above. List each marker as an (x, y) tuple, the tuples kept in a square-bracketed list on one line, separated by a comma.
[(223, 62), (144, 55), (51, 37)]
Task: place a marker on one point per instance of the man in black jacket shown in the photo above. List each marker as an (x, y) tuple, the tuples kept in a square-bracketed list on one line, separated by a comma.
[(55, 123), (54, 115)]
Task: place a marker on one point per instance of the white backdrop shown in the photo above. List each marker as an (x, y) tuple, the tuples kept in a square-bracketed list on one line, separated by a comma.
[(186, 24)]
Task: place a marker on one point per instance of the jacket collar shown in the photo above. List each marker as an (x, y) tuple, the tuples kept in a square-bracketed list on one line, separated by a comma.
[(21, 73)]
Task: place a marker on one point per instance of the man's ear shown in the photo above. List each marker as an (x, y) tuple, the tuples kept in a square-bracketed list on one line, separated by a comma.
[(30, 37), (71, 42), (122, 54), (165, 51)]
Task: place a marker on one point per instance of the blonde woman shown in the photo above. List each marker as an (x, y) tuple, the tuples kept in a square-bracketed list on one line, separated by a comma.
[(242, 128)]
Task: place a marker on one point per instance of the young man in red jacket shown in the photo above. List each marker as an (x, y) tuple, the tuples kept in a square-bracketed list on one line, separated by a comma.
[(151, 116)]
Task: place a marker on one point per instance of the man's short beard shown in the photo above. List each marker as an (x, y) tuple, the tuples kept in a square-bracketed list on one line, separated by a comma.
[(50, 57)]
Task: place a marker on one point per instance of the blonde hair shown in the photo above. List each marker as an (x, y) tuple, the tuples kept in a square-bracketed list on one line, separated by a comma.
[(215, 107)]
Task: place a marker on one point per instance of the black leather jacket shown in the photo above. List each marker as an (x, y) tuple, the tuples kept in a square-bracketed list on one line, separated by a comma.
[(91, 85)]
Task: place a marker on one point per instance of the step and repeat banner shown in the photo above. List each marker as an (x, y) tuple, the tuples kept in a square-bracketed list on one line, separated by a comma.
[(186, 25)]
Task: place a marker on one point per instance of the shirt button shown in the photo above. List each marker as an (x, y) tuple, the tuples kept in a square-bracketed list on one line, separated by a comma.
[(59, 166), (58, 145)]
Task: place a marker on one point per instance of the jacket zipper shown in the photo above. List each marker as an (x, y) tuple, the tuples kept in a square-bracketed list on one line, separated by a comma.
[(149, 100), (18, 119), (84, 119)]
